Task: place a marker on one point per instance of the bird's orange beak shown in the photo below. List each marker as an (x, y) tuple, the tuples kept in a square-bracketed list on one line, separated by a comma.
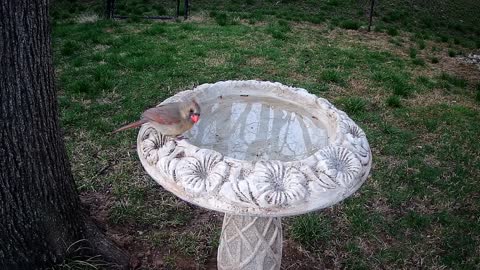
[(195, 118)]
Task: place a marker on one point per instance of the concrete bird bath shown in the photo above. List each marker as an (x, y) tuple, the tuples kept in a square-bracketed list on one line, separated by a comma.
[(261, 151)]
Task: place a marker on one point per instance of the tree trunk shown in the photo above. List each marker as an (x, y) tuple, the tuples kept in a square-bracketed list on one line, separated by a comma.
[(40, 215)]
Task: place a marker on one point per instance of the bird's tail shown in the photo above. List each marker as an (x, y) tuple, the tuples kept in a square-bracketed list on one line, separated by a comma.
[(132, 125)]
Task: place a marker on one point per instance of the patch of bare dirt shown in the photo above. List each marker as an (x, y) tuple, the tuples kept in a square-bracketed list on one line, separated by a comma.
[(309, 26), (454, 65), (135, 238), (373, 40), (297, 258), (215, 60), (256, 61), (87, 18), (250, 23), (438, 96), (198, 17)]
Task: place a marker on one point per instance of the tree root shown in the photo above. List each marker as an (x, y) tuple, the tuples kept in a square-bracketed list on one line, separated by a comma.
[(113, 256)]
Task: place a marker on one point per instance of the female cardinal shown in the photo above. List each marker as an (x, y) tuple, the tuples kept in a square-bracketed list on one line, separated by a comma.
[(171, 119)]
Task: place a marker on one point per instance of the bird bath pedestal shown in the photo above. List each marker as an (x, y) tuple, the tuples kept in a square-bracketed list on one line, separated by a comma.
[(261, 151)]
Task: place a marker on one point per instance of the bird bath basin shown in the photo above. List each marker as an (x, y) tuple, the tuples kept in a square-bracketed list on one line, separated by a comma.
[(261, 151)]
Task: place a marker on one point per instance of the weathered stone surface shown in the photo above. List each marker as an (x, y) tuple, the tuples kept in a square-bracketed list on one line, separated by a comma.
[(250, 243), (260, 149)]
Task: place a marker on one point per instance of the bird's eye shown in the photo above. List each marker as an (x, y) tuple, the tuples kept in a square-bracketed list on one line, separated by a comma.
[(191, 110)]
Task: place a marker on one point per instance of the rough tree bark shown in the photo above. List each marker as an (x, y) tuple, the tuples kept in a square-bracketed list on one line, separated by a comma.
[(40, 213)]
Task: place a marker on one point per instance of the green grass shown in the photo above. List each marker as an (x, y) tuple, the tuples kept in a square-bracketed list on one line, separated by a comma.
[(413, 53), (392, 31), (421, 198), (350, 24), (398, 82), (333, 76), (222, 19), (354, 105), (156, 30), (69, 48), (310, 229), (426, 82), (440, 19), (186, 243), (452, 53), (421, 44), (394, 101), (77, 257), (454, 80), (418, 62), (279, 29)]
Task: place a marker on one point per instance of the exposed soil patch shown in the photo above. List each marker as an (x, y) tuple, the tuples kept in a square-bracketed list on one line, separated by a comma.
[(137, 239), (460, 68), (256, 61), (297, 258), (87, 18)]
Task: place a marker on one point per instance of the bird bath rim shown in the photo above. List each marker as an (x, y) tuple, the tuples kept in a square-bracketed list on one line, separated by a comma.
[(260, 187)]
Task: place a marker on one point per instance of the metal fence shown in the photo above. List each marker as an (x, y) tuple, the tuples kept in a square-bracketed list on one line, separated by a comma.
[(119, 9)]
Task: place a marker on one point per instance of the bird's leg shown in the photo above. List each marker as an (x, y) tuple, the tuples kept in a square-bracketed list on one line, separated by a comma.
[(180, 137), (177, 138)]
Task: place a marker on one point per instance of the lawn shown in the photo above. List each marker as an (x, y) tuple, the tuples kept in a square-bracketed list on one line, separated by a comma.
[(403, 83)]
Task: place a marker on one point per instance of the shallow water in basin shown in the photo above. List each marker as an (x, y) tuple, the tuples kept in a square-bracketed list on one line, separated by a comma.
[(254, 128)]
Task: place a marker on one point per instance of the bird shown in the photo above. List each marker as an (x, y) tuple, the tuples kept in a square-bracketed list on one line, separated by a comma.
[(170, 119)]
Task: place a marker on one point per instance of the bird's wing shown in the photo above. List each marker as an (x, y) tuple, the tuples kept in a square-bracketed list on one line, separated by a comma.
[(166, 114)]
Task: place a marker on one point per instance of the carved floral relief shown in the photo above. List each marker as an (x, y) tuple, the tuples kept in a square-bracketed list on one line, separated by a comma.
[(207, 175), (274, 184)]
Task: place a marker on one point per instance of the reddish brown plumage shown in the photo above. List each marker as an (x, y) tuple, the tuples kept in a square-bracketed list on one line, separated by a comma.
[(171, 119), (131, 125)]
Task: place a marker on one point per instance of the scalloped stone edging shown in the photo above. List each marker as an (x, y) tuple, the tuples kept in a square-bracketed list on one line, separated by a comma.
[(268, 188)]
